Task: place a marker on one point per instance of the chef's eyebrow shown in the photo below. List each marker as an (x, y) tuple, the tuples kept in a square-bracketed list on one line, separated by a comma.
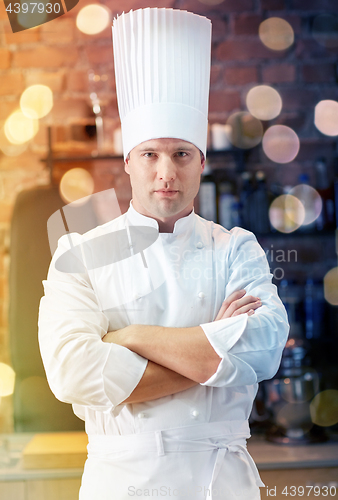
[(179, 148)]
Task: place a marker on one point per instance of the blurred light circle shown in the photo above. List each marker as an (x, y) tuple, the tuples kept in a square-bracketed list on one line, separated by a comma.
[(294, 416), (7, 380), (281, 144), (36, 101), (324, 408), (76, 184), (276, 33), (264, 102), (331, 286), (286, 213), (326, 117), (310, 199), (325, 30), (19, 128), (93, 19), (10, 149), (246, 130)]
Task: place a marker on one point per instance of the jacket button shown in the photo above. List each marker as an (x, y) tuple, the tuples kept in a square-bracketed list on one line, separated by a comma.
[(195, 413), (199, 244), (201, 295), (141, 415)]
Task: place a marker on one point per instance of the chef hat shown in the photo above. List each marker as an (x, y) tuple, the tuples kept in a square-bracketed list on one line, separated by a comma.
[(162, 69)]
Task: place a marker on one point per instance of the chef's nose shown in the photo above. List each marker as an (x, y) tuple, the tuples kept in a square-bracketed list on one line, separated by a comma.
[(166, 169)]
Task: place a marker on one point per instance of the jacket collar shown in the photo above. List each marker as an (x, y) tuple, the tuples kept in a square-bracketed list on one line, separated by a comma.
[(182, 225)]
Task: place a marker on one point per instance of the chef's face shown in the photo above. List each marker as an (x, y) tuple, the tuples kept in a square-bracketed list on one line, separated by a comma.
[(165, 177)]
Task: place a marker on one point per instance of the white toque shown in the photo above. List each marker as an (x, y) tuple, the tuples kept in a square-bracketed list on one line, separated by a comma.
[(162, 70)]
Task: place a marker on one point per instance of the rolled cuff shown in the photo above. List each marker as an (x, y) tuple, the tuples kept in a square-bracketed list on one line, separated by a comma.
[(121, 373)]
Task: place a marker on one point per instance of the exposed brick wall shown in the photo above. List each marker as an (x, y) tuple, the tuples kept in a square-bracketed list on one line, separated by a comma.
[(58, 55)]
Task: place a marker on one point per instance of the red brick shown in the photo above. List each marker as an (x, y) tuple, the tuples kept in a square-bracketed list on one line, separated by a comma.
[(273, 4), (224, 100), (105, 35), (66, 110), (279, 73), (27, 36), (127, 5), (216, 70), (61, 30), (241, 75), (310, 49), (296, 121), (100, 54), (312, 148), (297, 98), (7, 107), (11, 84), (77, 81), (46, 57), (246, 24), (295, 22), (317, 5), (55, 80), (5, 57), (220, 27), (246, 50), (227, 6), (319, 73)]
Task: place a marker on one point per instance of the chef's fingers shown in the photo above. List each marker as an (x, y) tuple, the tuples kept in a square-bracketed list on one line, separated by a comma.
[(239, 306), (227, 302), (248, 308)]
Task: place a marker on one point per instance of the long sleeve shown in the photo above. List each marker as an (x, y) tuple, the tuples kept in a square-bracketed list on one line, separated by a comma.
[(80, 368), (250, 347)]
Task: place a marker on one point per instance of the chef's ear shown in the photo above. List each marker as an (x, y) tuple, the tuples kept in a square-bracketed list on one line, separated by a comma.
[(202, 161), (126, 164)]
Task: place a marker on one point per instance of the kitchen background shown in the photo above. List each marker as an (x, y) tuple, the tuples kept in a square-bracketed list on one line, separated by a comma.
[(273, 138)]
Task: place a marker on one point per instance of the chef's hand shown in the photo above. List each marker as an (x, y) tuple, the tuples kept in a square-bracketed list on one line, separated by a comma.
[(238, 303), (119, 337)]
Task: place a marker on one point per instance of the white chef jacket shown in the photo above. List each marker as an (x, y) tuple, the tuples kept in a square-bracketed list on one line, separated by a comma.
[(179, 281)]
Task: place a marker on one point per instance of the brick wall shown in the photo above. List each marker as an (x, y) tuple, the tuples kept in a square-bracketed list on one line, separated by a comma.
[(58, 55)]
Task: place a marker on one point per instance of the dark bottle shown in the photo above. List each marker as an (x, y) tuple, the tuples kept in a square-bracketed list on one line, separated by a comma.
[(324, 186), (245, 201), (207, 195), (260, 205)]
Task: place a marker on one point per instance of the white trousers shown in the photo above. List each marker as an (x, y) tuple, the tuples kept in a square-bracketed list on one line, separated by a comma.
[(201, 462)]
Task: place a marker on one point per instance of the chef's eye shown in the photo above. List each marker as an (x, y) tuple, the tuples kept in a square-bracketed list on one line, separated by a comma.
[(149, 155), (181, 154)]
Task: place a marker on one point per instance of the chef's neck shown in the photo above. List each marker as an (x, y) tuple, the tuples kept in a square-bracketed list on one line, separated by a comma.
[(165, 224)]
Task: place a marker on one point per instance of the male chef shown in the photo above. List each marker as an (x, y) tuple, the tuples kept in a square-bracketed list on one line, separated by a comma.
[(161, 350)]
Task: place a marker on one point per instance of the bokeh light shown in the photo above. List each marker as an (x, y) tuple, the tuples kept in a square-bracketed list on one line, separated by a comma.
[(76, 184), (276, 33), (19, 128), (93, 19), (36, 101), (10, 149), (246, 130), (311, 201), (295, 416), (7, 380), (325, 30), (331, 286), (286, 213), (324, 408), (264, 102), (281, 144), (326, 117)]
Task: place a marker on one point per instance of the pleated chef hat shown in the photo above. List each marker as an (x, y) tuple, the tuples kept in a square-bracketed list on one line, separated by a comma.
[(162, 70)]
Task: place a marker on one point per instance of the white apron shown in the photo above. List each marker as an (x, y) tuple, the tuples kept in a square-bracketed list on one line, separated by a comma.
[(206, 461)]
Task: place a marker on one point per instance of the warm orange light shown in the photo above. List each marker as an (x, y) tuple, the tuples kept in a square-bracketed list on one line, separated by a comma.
[(331, 286), (7, 380), (246, 130), (76, 184), (19, 128), (286, 213), (93, 19), (10, 149), (264, 102), (326, 117), (276, 33), (36, 101), (324, 408), (281, 144)]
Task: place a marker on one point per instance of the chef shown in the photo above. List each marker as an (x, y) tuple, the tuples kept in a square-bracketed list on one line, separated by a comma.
[(160, 351)]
